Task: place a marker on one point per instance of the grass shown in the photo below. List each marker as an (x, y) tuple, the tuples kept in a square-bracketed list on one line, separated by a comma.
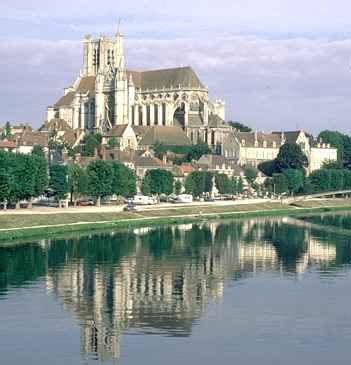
[(88, 222)]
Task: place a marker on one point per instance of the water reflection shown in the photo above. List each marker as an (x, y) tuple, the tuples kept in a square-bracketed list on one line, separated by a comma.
[(161, 280)]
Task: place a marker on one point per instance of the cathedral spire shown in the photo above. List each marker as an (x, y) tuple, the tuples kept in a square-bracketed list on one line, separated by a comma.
[(119, 49)]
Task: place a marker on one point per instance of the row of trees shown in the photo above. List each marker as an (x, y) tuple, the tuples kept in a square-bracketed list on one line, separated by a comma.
[(99, 180), (22, 177)]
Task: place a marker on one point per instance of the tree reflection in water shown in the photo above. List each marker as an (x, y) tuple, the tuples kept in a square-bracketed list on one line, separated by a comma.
[(156, 280)]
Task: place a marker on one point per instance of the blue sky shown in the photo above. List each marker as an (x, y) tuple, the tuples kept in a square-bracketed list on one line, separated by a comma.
[(277, 64)]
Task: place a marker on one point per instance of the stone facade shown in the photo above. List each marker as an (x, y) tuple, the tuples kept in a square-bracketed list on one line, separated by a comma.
[(106, 94), (252, 148)]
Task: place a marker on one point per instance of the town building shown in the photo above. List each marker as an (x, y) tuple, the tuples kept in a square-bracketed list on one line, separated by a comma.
[(252, 148)]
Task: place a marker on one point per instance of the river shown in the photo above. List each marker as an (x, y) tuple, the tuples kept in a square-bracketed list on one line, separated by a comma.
[(254, 291)]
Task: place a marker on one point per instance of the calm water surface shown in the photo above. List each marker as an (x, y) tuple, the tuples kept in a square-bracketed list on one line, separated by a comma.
[(267, 291)]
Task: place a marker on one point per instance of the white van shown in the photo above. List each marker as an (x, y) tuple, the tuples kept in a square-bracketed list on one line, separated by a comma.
[(184, 198), (143, 200)]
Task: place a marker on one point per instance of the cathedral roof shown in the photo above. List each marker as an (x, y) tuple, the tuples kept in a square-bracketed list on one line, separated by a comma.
[(168, 135), (216, 121), (87, 84), (66, 100), (166, 79)]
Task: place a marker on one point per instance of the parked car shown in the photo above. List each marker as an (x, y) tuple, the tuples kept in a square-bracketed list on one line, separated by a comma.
[(130, 208), (209, 199), (86, 202)]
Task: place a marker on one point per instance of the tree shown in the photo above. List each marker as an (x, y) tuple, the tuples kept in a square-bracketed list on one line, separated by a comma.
[(347, 179), (100, 178), (23, 171), (281, 184), (59, 181), (91, 143), (335, 139), (268, 167), (320, 180), (290, 156), (5, 176), (77, 181), (240, 185), (295, 180), (177, 187), (41, 176), (250, 175), (145, 187), (199, 182), (240, 126), (123, 181), (160, 181), (38, 151), (223, 184), (336, 180), (198, 150), (332, 165), (112, 143)]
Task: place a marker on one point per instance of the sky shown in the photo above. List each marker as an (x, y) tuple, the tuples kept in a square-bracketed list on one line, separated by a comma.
[(278, 64)]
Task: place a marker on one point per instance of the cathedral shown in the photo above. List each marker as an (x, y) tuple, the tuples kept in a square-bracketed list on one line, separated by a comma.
[(107, 95)]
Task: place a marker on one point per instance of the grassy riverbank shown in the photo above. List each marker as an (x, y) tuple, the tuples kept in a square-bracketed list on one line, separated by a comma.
[(33, 226)]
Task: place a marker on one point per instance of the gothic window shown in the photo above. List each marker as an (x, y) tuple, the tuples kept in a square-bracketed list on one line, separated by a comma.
[(192, 136), (164, 114), (133, 115), (213, 138), (156, 114), (148, 115), (140, 115)]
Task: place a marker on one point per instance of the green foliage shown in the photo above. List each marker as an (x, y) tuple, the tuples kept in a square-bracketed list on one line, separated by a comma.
[(190, 153), (320, 180), (123, 181), (268, 167), (240, 126), (91, 142), (295, 179), (41, 177), (5, 176), (160, 181), (145, 187), (38, 151), (197, 151), (223, 184), (240, 185), (332, 165), (336, 140), (330, 180), (59, 181), (177, 187), (268, 185), (100, 179), (290, 156), (6, 134), (281, 183), (336, 180), (250, 175), (77, 181), (22, 176), (347, 179), (112, 143), (199, 182)]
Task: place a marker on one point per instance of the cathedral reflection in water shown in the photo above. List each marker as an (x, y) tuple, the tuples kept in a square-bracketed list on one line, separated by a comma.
[(164, 278)]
